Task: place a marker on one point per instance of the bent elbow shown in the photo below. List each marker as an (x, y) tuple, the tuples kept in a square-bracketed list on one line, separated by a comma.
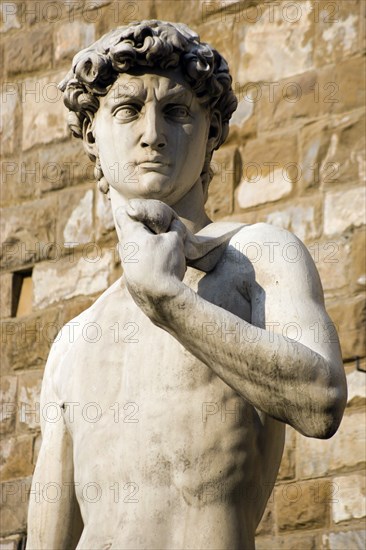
[(330, 413)]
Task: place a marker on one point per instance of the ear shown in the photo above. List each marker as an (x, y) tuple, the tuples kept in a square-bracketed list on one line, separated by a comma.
[(215, 131), (89, 142)]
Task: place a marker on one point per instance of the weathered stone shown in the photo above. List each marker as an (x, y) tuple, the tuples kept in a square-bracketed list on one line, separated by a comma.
[(345, 450), (290, 101), (27, 233), (29, 391), (71, 37), (122, 13), (301, 506), (287, 542), (29, 51), (356, 383), (14, 498), (337, 32), (349, 89), (287, 468), (349, 317), (64, 165), (9, 118), (103, 215), (269, 170), (342, 209), (8, 403), (287, 29), (81, 276), (357, 275), (302, 220), (226, 165), (76, 223), (11, 543), (6, 285), (43, 111), (354, 539), (349, 500), (333, 152), (8, 17), (332, 260), (16, 457), (26, 342)]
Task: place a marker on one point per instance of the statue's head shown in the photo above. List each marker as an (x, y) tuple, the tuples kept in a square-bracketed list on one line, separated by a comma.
[(141, 50)]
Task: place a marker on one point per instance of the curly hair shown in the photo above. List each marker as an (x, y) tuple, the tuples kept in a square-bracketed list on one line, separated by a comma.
[(148, 44)]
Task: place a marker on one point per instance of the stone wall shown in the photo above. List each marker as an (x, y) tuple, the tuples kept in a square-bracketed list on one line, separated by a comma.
[(295, 157)]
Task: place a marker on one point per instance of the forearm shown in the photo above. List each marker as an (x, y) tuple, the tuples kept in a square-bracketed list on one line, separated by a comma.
[(283, 378)]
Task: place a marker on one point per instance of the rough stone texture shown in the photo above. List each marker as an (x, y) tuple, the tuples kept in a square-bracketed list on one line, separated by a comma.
[(340, 540), (29, 411), (349, 501), (298, 72), (8, 403), (28, 233), (356, 382), (16, 457), (86, 275), (345, 450), (43, 111), (77, 218), (6, 283), (300, 506)]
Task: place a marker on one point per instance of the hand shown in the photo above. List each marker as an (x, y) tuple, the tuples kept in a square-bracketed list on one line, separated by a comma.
[(157, 268)]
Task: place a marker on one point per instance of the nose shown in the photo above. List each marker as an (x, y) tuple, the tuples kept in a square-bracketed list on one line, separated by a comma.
[(153, 132)]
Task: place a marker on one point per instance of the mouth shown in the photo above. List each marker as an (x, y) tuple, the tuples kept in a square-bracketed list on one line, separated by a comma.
[(153, 164)]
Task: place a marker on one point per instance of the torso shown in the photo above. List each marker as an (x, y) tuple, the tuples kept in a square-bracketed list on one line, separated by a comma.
[(166, 455)]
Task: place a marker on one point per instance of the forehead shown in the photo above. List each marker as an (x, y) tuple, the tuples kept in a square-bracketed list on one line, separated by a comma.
[(152, 83)]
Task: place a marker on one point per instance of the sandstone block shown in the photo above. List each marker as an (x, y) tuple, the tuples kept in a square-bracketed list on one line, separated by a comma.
[(76, 221), (349, 318), (303, 220), (332, 259), (354, 539), (113, 14), (337, 32), (226, 165), (357, 274), (302, 505), (29, 51), (44, 114), (356, 384), (349, 501), (11, 543), (349, 82), (266, 524), (29, 410), (279, 25), (345, 450), (344, 209), (14, 498), (269, 172), (26, 342), (287, 542), (8, 17), (16, 457), (287, 468), (69, 278), (103, 215), (27, 232), (9, 119), (8, 391), (70, 37), (6, 285)]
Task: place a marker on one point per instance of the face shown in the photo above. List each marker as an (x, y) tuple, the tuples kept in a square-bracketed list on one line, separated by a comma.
[(151, 136)]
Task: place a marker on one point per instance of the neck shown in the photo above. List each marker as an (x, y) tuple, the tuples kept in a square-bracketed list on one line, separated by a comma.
[(189, 208)]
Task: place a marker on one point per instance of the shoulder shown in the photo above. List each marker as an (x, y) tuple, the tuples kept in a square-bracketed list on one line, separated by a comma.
[(277, 255)]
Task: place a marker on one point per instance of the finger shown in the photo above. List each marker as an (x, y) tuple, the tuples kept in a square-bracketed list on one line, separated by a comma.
[(178, 227), (126, 223), (153, 213)]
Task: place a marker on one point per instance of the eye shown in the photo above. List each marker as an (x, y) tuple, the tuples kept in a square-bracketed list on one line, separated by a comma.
[(125, 113), (178, 112)]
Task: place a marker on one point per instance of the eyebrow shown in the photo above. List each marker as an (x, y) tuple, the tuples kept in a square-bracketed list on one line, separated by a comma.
[(177, 92)]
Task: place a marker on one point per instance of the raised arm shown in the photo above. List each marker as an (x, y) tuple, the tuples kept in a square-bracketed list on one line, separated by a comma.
[(54, 520), (299, 381)]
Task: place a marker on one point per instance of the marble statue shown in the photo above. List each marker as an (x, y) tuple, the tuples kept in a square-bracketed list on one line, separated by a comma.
[(168, 429)]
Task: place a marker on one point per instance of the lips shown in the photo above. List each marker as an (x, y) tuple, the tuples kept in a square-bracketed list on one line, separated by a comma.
[(156, 162)]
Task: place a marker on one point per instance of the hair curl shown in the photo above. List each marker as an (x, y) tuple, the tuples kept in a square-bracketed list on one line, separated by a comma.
[(148, 44)]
